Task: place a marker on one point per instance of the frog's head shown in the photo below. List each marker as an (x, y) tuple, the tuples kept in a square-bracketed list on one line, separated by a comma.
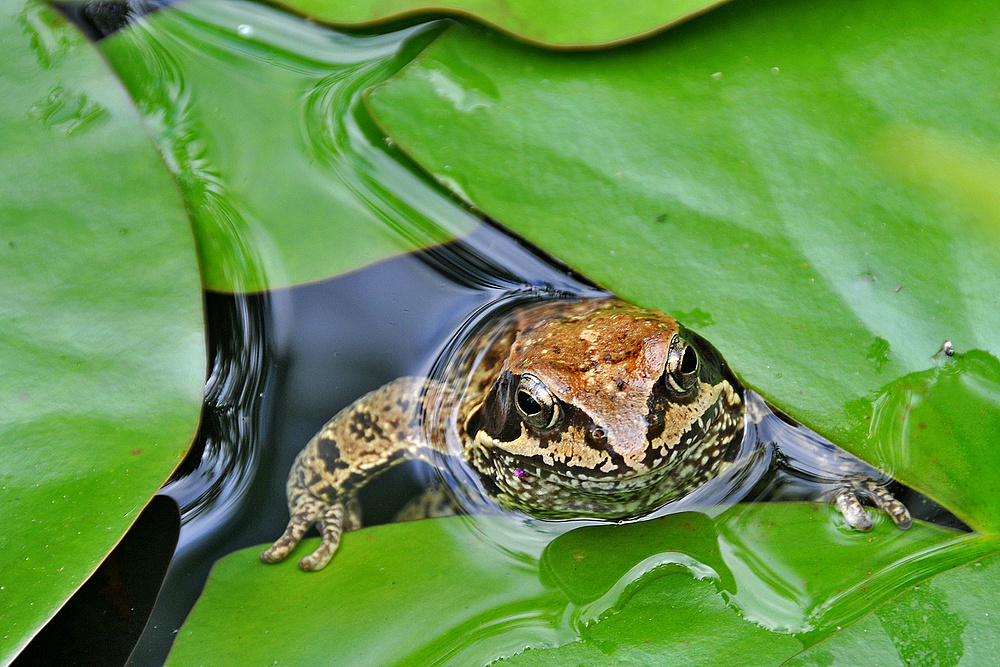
[(595, 393)]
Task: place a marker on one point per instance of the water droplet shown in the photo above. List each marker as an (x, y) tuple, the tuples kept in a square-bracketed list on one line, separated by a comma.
[(775, 70), (245, 31), (717, 76)]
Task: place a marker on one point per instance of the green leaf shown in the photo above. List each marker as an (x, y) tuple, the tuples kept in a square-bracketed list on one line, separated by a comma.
[(404, 593), (938, 427), (777, 577), (674, 620), (782, 194), (950, 619), (556, 23), (254, 111), (102, 343)]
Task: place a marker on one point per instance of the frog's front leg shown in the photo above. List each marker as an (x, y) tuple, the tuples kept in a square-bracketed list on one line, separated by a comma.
[(852, 481), (379, 430), (332, 515), (846, 500), (846, 479)]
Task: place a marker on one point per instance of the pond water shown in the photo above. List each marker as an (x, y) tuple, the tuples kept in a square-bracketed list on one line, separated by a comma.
[(284, 360)]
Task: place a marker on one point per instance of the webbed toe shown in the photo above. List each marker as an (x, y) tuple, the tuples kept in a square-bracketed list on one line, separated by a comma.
[(886, 502), (331, 524)]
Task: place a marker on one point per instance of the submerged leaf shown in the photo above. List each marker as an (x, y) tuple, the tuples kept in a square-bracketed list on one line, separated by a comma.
[(254, 111), (472, 590), (949, 620)]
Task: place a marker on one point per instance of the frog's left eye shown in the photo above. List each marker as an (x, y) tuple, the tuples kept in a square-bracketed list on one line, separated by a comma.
[(536, 404), (683, 365)]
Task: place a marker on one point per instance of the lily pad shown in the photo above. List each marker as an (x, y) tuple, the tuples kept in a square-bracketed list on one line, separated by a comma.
[(254, 111), (955, 406), (455, 592), (557, 23), (400, 594), (103, 349), (948, 620), (777, 192)]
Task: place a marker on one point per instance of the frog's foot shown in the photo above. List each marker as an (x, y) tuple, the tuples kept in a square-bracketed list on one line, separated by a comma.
[(332, 519), (850, 506), (305, 508), (331, 526)]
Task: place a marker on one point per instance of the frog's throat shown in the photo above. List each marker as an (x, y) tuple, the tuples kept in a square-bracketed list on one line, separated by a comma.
[(709, 441)]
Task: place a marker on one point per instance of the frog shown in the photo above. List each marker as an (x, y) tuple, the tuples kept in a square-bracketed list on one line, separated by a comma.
[(570, 408)]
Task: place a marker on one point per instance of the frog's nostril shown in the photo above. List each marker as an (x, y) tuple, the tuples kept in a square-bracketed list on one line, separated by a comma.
[(598, 435)]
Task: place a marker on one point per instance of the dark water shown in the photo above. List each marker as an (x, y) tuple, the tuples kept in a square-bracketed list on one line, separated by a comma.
[(100, 18)]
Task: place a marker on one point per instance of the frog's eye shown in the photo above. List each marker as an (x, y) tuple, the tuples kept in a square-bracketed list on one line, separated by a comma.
[(536, 404), (682, 366)]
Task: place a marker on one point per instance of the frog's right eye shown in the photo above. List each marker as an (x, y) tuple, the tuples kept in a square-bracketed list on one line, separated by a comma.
[(536, 404), (683, 365)]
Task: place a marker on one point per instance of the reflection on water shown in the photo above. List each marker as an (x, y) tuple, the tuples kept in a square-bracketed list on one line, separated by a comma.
[(285, 360), (213, 484), (243, 101), (219, 469)]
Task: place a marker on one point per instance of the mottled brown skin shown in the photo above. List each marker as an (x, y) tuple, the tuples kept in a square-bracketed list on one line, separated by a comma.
[(625, 442), (565, 409)]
